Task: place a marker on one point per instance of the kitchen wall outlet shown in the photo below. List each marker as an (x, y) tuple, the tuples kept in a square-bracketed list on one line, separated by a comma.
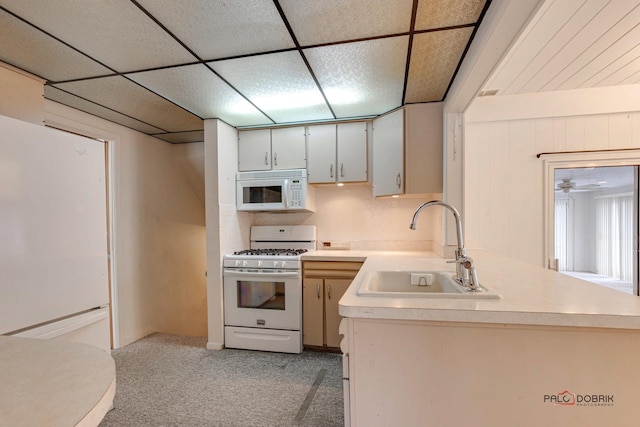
[(336, 245)]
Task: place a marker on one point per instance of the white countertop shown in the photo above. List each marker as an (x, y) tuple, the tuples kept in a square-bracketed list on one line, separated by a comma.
[(530, 295), (54, 383)]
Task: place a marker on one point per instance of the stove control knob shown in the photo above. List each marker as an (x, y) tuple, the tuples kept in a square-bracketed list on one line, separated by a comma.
[(259, 263), (244, 263), (275, 263), (283, 264), (237, 263)]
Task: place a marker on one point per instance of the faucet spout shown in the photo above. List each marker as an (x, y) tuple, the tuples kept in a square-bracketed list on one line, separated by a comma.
[(453, 210), (465, 271)]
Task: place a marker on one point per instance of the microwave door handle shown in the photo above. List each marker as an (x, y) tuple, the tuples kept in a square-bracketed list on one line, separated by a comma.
[(285, 193)]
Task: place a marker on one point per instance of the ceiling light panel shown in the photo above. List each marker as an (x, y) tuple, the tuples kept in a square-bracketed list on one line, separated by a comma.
[(131, 99), (434, 59), (197, 89), (25, 47), (115, 32), (220, 28), (317, 22), (73, 101), (182, 137), (447, 13), (279, 84), (363, 78)]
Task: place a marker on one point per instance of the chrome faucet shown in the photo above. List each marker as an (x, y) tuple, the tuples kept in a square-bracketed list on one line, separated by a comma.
[(466, 273)]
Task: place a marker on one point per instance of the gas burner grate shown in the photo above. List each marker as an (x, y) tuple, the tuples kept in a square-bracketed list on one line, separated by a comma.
[(271, 252)]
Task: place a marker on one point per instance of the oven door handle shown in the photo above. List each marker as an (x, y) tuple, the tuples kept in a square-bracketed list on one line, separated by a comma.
[(266, 273)]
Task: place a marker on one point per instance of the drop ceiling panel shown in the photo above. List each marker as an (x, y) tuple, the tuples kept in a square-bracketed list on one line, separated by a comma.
[(221, 28), (129, 98), (27, 48), (434, 59), (114, 32), (361, 79), (447, 13), (197, 89), (279, 84), (182, 137), (317, 22), (73, 101)]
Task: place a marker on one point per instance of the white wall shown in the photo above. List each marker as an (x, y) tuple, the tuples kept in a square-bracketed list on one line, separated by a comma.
[(227, 229), (503, 179), (159, 231), (190, 158), (584, 232), (22, 95)]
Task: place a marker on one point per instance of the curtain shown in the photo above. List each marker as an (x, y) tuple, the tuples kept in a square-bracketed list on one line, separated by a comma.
[(562, 233), (614, 236)]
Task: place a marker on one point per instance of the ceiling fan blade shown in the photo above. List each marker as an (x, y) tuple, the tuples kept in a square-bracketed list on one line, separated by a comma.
[(586, 186)]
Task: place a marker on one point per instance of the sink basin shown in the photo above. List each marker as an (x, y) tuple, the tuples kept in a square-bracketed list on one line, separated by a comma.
[(397, 284)]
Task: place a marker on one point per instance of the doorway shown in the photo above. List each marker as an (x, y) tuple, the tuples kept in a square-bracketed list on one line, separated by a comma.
[(595, 216)]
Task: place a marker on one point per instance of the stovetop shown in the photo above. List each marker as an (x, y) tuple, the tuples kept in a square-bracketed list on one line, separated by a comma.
[(274, 247), (271, 252)]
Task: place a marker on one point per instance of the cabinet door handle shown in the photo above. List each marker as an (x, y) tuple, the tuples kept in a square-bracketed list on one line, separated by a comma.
[(329, 291), (266, 158), (331, 170), (275, 159), (318, 290), (342, 170), (398, 180)]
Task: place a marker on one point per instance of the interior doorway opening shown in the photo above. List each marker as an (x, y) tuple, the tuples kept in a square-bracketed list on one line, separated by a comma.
[(595, 217)]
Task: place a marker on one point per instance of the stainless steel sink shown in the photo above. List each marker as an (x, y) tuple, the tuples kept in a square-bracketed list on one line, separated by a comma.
[(427, 284)]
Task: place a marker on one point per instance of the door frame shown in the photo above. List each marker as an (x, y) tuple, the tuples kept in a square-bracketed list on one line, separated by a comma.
[(582, 160)]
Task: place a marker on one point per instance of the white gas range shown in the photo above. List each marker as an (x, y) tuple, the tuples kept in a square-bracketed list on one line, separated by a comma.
[(263, 289)]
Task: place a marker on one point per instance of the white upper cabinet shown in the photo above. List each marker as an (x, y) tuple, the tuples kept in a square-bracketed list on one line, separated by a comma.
[(423, 148), (322, 154), (388, 154), (267, 149), (288, 148), (254, 150), (407, 151), (352, 152), (338, 153)]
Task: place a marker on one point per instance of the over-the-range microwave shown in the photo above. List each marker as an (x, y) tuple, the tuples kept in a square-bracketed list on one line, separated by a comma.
[(274, 190)]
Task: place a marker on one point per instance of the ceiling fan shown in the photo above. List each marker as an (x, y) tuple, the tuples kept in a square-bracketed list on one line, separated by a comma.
[(567, 185)]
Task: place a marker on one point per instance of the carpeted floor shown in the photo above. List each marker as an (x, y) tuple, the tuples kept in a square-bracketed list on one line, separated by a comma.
[(167, 380)]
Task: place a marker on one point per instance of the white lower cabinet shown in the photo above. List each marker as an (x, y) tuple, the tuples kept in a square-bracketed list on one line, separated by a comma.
[(323, 284)]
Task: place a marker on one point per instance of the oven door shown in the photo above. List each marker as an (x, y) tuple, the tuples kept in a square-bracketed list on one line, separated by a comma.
[(263, 298)]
